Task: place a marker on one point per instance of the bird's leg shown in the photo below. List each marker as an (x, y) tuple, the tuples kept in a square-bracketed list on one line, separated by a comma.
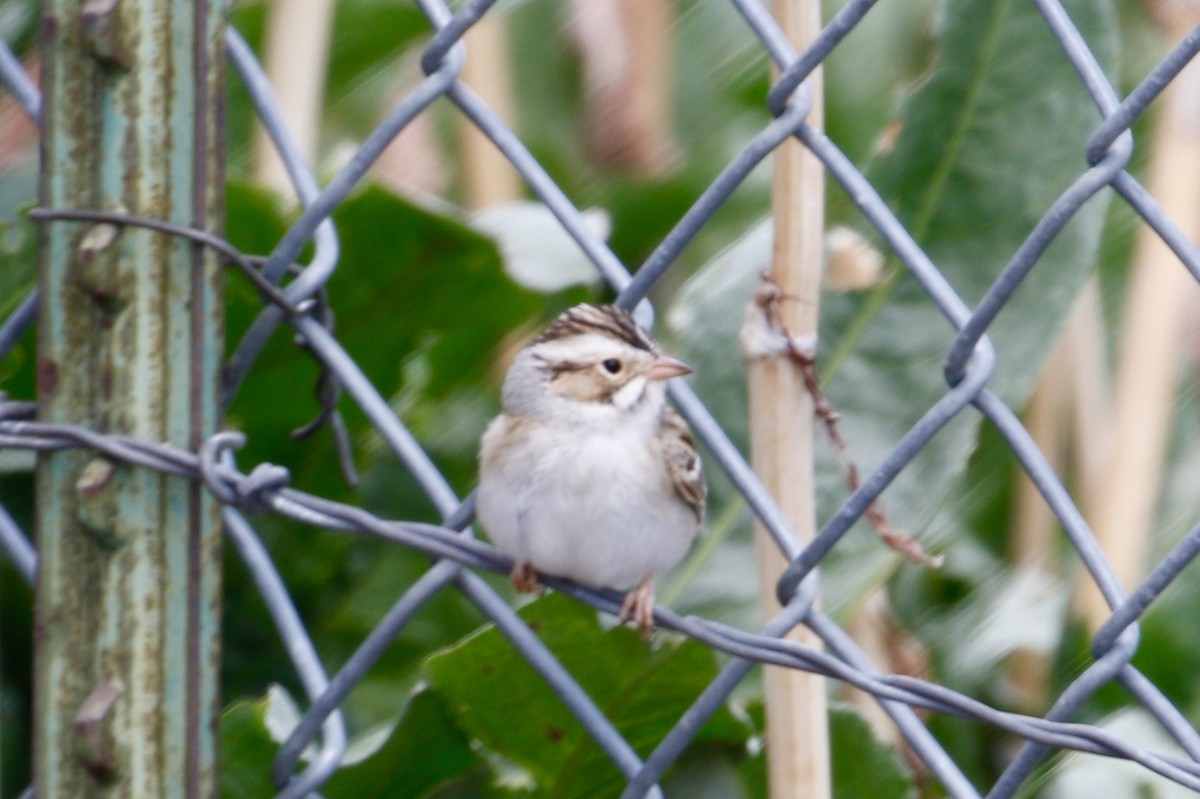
[(524, 577), (639, 607)]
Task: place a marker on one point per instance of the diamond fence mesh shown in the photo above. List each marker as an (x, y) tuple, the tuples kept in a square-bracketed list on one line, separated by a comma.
[(315, 747)]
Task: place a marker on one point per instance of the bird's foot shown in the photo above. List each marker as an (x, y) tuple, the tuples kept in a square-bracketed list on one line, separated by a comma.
[(524, 578), (638, 607)]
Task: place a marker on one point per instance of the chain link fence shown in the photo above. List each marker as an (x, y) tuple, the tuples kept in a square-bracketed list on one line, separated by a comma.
[(968, 370)]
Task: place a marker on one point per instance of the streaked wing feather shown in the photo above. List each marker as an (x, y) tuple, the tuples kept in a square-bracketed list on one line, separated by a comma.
[(683, 460)]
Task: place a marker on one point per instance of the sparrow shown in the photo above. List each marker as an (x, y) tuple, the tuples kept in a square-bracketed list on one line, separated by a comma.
[(588, 473)]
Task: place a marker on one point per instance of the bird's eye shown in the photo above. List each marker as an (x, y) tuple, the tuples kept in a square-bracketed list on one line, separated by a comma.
[(612, 365)]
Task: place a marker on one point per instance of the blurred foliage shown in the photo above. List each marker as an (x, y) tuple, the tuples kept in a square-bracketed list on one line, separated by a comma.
[(970, 173), (969, 121)]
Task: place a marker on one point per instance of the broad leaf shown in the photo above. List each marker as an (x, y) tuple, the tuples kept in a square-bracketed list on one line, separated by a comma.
[(369, 38), (18, 277), (861, 764), (853, 746), (987, 144), (642, 689), (421, 302), (246, 751), (410, 285), (424, 750)]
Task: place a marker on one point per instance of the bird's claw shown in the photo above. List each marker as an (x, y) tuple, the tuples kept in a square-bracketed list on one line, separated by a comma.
[(525, 578), (638, 607)]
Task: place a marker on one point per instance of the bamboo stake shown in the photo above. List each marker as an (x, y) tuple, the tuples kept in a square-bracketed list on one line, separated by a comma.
[(296, 56), (781, 433), (1160, 293), (487, 176)]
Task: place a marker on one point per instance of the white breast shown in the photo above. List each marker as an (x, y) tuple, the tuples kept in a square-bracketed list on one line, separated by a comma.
[(598, 508)]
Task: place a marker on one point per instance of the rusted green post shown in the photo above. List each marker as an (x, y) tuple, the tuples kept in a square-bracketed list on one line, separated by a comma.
[(129, 342)]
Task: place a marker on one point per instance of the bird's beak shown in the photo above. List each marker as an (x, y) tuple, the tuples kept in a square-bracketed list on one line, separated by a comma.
[(664, 368)]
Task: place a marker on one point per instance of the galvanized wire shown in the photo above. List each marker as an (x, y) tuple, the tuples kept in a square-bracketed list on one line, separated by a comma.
[(968, 369), (263, 489)]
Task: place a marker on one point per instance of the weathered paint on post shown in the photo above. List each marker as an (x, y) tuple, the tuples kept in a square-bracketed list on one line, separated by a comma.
[(129, 342)]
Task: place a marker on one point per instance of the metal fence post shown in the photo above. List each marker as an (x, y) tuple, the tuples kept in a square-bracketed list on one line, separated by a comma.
[(129, 343)]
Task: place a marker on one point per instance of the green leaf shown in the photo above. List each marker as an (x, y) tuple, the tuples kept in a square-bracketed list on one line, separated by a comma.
[(369, 35), (425, 750), (1169, 651), (19, 24), (18, 277), (644, 714), (16, 646), (421, 302), (371, 40), (888, 49), (246, 751), (435, 285), (643, 690), (986, 147), (368, 40), (407, 283), (862, 764), (708, 771), (987, 144)]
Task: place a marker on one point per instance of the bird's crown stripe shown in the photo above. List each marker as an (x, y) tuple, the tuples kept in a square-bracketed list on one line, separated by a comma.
[(604, 319)]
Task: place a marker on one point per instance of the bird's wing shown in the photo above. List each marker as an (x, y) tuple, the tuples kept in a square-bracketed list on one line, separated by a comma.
[(683, 461)]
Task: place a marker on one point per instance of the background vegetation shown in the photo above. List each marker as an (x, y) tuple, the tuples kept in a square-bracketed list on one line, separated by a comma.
[(968, 119)]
